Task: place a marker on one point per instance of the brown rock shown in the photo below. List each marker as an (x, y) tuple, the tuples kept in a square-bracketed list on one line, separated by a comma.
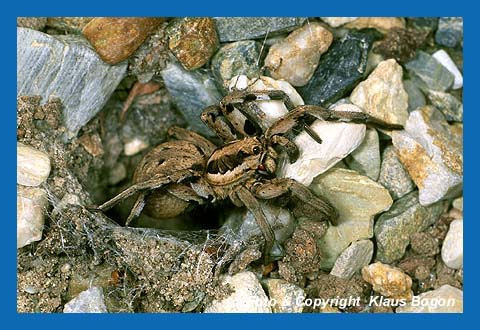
[(193, 40), (401, 44), (115, 39), (382, 24), (388, 281)]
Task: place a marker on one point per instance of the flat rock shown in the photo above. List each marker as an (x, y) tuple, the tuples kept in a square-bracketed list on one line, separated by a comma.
[(366, 158), (452, 248), (338, 140), (429, 73), (242, 28), (296, 57), (33, 166), (445, 299), (88, 301), (286, 296), (340, 69), (389, 281), (358, 199), (193, 40), (31, 208), (450, 31), (432, 152), (416, 99), (393, 174), (192, 92), (248, 296), (352, 259), (448, 104), (394, 228), (382, 95), (445, 59), (234, 59), (337, 21), (65, 67)]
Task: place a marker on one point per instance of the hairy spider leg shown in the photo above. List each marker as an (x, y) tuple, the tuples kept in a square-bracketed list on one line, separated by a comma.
[(213, 117), (272, 250)]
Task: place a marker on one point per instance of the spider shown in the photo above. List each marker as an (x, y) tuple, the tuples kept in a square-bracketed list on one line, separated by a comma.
[(190, 169)]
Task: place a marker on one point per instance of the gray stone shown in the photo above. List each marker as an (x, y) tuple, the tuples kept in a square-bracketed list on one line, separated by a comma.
[(247, 297), (192, 92), (242, 28), (452, 248), (285, 295), (432, 152), (366, 158), (31, 207), (448, 104), (358, 199), (450, 31), (353, 259), (65, 67), (429, 73), (445, 299), (405, 217), (88, 301), (393, 175), (236, 58), (445, 59), (416, 99), (382, 94)]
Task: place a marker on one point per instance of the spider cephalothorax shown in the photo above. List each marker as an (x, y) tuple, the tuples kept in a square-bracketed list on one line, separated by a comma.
[(190, 169)]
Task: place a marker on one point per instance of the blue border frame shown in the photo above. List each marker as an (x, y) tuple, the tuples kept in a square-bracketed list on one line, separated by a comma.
[(238, 8)]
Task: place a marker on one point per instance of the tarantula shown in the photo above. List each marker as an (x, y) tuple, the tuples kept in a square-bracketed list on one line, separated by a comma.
[(191, 169)]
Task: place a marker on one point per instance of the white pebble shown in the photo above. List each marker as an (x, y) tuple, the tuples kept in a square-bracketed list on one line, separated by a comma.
[(452, 248), (33, 166), (31, 204), (248, 296), (444, 59), (134, 146), (88, 301), (445, 299)]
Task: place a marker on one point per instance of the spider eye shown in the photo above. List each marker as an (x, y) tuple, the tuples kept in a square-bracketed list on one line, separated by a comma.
[(256, 150)]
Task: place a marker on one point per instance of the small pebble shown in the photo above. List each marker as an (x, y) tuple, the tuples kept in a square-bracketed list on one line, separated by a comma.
[(337, 21), (430, 73), (248, 296), (92, 144), (424, 244), (352, 259), (193, 40), (401, 44), (458, 203), (358, 199), (389, 281), (431, 150), (393, 174), (452, 248), (33, 166), (31, 207), (243, 28), (236, 58), (394, 228), (295, 58), (338, 140), (382, 95), (88, 301), (446, 299), (366, 158), (286, 296), (116, 38), (134, 146), (445, 60), (340, 69), (450, 31), (447, 104), (382, 24), (34, 23)]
